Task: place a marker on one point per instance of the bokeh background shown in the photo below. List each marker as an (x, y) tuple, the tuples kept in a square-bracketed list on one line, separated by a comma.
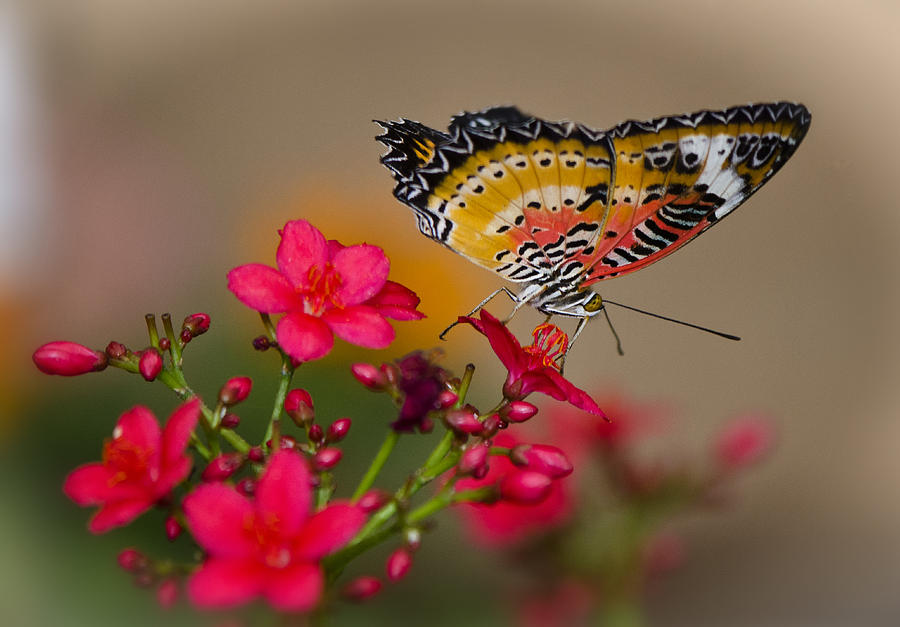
[(148, 147)]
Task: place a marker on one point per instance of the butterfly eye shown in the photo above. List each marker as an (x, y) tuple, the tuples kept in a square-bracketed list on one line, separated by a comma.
[(594, 304)]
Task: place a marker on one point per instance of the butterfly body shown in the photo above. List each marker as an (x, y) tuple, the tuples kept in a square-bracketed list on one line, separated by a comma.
[(559, 206)]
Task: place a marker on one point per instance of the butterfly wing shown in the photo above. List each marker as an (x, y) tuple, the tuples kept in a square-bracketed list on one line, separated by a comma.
[(512, 193), (674, 177)]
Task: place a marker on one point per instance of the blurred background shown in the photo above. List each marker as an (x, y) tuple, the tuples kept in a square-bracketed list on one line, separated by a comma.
[(148, 147)]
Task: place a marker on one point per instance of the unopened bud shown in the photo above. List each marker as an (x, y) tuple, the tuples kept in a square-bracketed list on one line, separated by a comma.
[(195, 324), (167, 593), (338, 430), (327, 458), (164, 344), (68, 359), (173, 528), (316, 434), (372, 500), (542, 458), (247, 487), (369, 376), (255, 454), (287, 441), (131, 560), (413, 538), (519, 411), (298, 404), (525, 487), (222, 467), (398, 564), (490, 425), (230, 421), (116, 350), (261, 343), (473, 458), (235, 390), (362, 588), (447, 399), (150, 363), (463, 421)]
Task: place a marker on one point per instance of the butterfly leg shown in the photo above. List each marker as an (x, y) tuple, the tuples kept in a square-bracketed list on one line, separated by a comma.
[(482, 304)]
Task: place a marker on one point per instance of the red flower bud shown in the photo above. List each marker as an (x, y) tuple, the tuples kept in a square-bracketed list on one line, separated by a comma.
[(369, 376), (247, 487), (132, 560), (398, 564), (167, 593), (298, 404), (185, 336), (327, 458), (338, 429), (519, 411), (235, 390), (68, 359), (261, 343), (195, 324), (150, 363), (473, 458), (542, 458), (255, 454), (316, 434), (447, 399), (525, 487), (230, 421), (116, 350), (372, 500), (490, 425), (222, 467), (173, 528), (463, 421), (164, 344), (362, 588)]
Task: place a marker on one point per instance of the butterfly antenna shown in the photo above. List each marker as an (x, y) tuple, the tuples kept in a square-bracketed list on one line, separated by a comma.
[(613, 329), (727, 336)]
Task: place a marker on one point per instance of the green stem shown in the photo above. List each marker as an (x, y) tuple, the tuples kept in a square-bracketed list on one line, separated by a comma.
[(152, 331), (174, 341), (381, 457)]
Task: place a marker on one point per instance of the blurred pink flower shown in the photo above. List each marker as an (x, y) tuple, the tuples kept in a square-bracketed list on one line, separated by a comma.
[(270, 546), (532, 368), (504, 522), (744, 441), (325, 289), (141, 464)]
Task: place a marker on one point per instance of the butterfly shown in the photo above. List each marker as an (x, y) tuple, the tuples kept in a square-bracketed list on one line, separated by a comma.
[(559, 206)]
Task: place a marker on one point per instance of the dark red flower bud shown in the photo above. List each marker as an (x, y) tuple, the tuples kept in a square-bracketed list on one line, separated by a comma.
[(512, 390), (261, 343), (132, 560), (327, 458), (542, 458), (473, 458), (391, 373), (463, 421), (247, 486), (230, 421), (287, 441), (195, 324), (481, 472), (173, 528), (490, 425), (235, 390), (398, 564), (116, 350), (164, 344), (447, 399), (298, 404), (519, 411), (185, 336), (316, 434), (150, 363), (426, 425), (255, 454), (369, 376), (167, 593), (338, 430), (372, 500), (525, 487), (68, 359), (222, 467), (362, 588)]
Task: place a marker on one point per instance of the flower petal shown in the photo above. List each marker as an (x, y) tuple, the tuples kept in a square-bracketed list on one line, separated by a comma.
[(363, 270), (504, 343), (396, 301), (329, 530), (297, 588), (304, 337), (226, 582), (361, 325), (88, 484), (574, 395), (302, 247), (177, 431), (283, 493), (220, 519), (139, 427), (263, 288), (117, 513)]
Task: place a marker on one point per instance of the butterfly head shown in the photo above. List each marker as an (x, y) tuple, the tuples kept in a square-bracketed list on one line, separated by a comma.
[(576, 304)]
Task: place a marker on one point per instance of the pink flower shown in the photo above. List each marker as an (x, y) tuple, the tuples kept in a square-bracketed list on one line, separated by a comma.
[(324, 289), (532, 368), (68, 359), (744, 442), (141, 464), (270, 546), (505, 522)]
